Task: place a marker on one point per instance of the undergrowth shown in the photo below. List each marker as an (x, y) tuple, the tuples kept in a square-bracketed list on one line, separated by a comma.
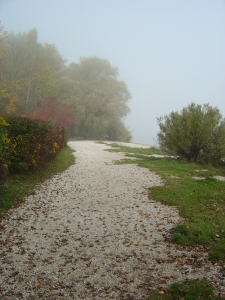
[(20, 185)]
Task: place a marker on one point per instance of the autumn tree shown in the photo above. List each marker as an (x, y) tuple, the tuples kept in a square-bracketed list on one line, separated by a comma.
[(33, 74), (9, 84), (28, 71)]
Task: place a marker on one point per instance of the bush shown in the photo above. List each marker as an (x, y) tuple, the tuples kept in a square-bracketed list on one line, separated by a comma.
[(4, 151), (196, 134), (34, 143)]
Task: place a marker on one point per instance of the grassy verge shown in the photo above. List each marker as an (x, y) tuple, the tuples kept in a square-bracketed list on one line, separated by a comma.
[(200, 201), (191, 290), (145, 151), (20, 185)]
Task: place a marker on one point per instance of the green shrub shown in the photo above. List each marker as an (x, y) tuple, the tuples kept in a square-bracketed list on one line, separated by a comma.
[(196, 134), (34, 143)]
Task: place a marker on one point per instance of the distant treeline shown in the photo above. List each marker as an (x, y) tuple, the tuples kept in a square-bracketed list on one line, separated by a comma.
[(86, 97)]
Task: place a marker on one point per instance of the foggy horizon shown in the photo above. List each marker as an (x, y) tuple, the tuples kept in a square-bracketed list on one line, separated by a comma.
[(169, 53)]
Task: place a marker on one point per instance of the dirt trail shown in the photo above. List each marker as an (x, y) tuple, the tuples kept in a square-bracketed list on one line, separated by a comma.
[(93, 233)]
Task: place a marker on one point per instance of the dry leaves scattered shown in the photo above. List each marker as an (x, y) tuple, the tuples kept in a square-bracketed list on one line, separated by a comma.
[(93, 233)]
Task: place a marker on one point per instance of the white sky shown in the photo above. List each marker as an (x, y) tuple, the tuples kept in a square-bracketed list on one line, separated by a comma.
[(169, 52)]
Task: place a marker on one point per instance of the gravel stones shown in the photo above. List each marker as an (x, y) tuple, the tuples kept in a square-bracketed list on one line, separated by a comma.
[(92, 232)]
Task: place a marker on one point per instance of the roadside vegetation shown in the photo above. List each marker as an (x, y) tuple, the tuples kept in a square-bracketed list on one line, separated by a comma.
[(145, 151), (191, 290), (200, 198), (88, 100), (20, 185)]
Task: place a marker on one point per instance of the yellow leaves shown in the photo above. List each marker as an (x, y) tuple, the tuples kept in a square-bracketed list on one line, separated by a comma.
[(3, 122), (38, 148), (6, 140), (11, 107), (55, 145), (5, 93), (9, 92)]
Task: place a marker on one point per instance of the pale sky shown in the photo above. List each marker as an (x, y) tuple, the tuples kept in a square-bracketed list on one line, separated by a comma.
[(169, 52)]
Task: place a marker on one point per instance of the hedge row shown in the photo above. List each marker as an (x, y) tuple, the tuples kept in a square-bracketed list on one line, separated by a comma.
[(4, 150), (27, 144)]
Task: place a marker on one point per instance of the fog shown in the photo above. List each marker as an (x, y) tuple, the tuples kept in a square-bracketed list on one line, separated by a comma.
[(169, 53)]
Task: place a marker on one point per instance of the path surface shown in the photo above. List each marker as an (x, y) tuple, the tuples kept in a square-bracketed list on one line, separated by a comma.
[(93, 233)]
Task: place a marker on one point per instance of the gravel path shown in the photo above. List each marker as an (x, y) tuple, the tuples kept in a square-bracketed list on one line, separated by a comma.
[(93, 233)]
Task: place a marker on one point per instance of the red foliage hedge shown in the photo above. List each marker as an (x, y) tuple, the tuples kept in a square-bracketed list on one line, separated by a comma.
[(33, 143)]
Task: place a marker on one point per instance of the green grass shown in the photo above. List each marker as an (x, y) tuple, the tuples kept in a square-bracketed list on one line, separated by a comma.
[(200, 202), (20, 185), (190, 290), (145, 151)]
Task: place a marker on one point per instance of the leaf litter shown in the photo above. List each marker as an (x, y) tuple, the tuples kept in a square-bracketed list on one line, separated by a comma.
[(92, 232)]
